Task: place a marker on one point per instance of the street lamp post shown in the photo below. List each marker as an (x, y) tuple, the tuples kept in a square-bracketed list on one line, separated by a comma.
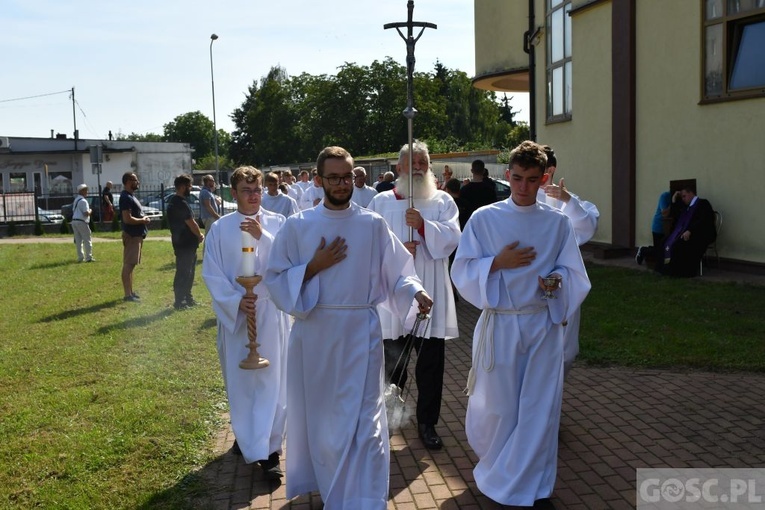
[(213, 37)]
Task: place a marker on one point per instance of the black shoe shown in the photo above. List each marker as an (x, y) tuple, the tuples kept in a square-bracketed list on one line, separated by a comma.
[(190, 302), (235, 449), (180, 306), (271, 466), (135, 295), (544, 504), (131, 298), (429, 437), (640, 256)]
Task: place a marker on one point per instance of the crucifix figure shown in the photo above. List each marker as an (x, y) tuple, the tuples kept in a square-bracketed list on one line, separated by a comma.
[(410, 111)]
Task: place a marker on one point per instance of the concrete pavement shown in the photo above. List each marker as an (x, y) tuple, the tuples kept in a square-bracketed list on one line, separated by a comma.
[(614, 421)]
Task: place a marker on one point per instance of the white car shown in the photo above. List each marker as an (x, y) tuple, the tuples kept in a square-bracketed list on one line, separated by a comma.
[(49, 216), (194, 203)]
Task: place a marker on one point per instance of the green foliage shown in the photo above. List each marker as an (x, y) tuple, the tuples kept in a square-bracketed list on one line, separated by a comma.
[(105, 404), (137, 137), (208, 163), (13, 229), (116, 227), (65, 227), (517, 134), (39, 228), (193, 128), (289, 119)]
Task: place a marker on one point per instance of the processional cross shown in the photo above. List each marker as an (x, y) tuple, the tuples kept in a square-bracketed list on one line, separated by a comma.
[(410, 111)]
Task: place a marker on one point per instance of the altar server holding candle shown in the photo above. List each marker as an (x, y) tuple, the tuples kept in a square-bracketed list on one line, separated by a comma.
[(238, 244)]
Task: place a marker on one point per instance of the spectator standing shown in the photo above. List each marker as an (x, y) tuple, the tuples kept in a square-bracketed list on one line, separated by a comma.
[(387, 183), (446, 177), (337, 433), (186, 236), (134, 230), (107, 203), (479, 191), (81, 225), (211, 206), (436, 233)]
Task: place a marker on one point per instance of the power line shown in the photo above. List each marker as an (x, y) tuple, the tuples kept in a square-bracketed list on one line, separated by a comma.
[(33, 97)]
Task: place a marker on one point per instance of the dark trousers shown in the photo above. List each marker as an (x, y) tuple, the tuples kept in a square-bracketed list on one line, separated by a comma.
[(428, 373), (185, 268)]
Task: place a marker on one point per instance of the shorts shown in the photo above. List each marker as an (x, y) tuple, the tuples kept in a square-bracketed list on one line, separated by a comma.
[(131, 252)]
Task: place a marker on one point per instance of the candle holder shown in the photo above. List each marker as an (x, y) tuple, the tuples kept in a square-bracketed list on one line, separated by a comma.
[(253, 360)]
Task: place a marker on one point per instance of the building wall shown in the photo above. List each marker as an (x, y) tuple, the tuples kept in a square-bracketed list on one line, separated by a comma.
[(583, 144), (499, 46), (720, 145)]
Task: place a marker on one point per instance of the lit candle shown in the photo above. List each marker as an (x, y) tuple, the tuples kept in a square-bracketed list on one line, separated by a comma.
[(247, 265)]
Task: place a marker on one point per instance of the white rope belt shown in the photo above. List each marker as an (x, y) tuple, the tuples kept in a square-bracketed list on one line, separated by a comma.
[(485, 350), (346, 307)]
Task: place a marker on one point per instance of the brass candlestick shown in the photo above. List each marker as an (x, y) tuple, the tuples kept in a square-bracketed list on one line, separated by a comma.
[(253, 359)]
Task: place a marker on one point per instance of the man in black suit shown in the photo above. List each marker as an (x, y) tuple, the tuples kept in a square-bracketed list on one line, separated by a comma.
[(693, 232)]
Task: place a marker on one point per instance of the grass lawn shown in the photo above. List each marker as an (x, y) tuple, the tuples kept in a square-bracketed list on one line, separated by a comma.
[(107, 404), (104, 404)]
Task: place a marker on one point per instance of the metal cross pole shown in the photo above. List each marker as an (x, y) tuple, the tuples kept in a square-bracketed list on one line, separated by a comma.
[(410, 111)]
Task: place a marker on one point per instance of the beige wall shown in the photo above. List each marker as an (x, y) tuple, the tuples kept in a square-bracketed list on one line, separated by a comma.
[(721, 145), (583, 145), (499, 45)]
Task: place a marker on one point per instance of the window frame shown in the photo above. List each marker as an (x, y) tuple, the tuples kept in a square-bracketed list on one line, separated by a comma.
[(562, 66), (731, 26)]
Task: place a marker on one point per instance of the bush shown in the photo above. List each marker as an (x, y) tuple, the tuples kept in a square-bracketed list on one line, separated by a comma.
[(116, 227), (13, 230)]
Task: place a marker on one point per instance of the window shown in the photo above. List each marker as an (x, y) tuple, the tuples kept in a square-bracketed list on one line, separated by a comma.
[(558, 60), (734, 49)]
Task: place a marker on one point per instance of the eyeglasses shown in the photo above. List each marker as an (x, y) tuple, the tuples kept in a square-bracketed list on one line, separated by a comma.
[(250, 191), (334, 180)]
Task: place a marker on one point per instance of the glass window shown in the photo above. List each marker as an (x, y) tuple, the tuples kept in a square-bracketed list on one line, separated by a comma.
[(749, 63), (734, 49), (559, 50), (18, 182)]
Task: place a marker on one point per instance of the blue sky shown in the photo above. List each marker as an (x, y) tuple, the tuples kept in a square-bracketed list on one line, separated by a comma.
[(137, 65)]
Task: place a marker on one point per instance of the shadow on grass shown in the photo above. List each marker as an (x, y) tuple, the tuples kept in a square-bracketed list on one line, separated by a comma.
[(209, 323), (52, 265), (68, 314), (135, 322), (213, 486)]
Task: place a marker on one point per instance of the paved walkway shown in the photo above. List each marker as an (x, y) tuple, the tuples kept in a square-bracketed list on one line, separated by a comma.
[(614, 421)]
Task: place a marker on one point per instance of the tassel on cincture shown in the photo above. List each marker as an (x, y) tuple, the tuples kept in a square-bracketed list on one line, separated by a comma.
[(470, 382)]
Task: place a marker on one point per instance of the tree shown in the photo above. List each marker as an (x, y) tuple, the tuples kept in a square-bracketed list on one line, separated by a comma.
[(136, 137), (266, 123), (195, 129)]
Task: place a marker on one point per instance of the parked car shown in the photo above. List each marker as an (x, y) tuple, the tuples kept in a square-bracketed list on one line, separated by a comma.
[(194, 203), (503, 188), (95, 205), (49, 216)]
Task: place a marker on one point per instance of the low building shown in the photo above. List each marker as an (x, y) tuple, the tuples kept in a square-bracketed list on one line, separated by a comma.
[(53, 167)]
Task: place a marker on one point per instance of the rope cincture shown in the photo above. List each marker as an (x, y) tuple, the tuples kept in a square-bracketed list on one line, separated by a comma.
[(481, 351)]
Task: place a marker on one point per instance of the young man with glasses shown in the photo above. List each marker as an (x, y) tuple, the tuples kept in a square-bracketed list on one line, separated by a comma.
[(337, 432), (256, 398)]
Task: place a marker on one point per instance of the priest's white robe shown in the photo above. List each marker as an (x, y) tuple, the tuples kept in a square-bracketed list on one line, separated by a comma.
[(257, 398), (438, 239), (362, 196), (514, 407), (312, 193), (337, 432), (295, 191), (584, 218), (280, 204)]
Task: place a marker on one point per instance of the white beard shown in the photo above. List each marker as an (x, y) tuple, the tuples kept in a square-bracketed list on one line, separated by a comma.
[(424, 186)]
